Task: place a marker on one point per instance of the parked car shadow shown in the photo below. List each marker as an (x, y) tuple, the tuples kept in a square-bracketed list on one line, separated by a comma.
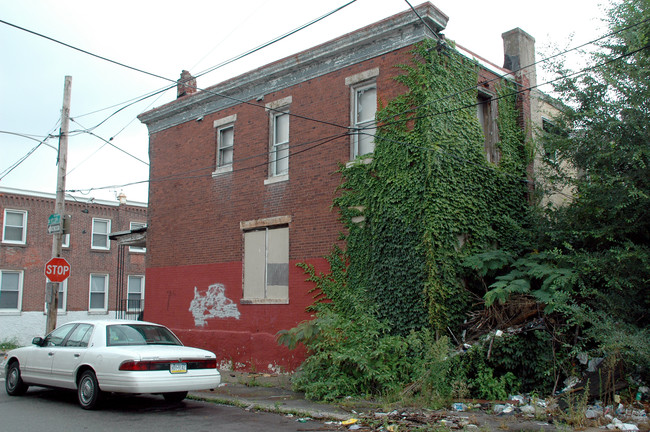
[(112, 402)]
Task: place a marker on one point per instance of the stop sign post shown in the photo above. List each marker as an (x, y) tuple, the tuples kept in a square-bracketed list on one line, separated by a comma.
[(57, 269)]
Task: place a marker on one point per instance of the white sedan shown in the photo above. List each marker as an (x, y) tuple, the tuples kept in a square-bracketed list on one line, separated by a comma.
[(119, 356)]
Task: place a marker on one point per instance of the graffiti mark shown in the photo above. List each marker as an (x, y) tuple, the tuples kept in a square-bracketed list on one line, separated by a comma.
[(214, 304)]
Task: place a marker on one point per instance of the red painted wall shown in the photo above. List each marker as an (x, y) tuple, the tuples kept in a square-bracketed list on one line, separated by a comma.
[(247, 342)]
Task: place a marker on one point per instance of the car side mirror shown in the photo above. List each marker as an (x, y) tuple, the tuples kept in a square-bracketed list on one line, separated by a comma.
[(37, 341)]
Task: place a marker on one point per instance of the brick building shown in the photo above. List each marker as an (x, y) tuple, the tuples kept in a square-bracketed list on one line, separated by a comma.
[(242, 180), (93, 289)]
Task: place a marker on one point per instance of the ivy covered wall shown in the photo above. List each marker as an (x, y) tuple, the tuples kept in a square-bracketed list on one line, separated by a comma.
[(428, 197)]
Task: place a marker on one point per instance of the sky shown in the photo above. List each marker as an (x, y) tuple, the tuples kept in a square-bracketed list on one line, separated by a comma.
[(108, 146)]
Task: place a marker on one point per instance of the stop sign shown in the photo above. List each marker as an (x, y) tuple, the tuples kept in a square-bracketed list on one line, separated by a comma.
[(57, 269)]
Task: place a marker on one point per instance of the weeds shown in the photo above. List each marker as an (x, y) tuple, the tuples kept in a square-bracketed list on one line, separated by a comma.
[(10, 344)]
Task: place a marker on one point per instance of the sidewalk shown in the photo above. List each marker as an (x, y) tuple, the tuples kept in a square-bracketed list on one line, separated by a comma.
[(269, 392), (272, 393)]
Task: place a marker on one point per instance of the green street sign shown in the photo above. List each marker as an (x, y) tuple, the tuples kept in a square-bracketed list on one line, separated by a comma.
[(54, 224)]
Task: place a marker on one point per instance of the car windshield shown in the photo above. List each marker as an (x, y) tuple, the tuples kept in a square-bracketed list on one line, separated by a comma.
[(139, 334)]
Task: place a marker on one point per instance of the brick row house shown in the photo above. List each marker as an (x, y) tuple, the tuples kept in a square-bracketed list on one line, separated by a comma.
[(97, 286), (243, 175)]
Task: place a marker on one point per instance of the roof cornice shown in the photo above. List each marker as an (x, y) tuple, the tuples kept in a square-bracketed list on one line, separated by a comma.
[(390, 34)]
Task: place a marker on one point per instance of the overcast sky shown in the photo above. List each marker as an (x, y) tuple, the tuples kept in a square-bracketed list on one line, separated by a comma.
[(164, 37)]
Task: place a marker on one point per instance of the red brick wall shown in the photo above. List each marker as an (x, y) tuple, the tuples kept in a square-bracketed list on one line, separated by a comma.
[(194, 234), (31, 258)]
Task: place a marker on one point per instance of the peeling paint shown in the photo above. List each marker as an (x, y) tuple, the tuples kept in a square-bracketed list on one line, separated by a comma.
[(214, 304)]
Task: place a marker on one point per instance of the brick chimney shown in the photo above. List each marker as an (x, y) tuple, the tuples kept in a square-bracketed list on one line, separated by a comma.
[(186, 84), (519, 52), (519, 57)]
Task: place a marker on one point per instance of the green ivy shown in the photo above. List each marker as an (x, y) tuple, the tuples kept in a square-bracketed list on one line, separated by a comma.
[(428, 185), (425, 201)]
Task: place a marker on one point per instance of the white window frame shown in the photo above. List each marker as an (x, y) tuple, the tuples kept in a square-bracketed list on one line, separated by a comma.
[(362, 128), (258, 288), (65, 241), (104, 308), (108, 231), (19, 300), (128, 292), (63, 294), (23, 240), (62, 306), (136, 225), (222, 125), (278, 109), (361, 82)]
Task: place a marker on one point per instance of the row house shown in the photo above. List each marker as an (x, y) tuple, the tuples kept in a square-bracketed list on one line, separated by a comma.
[(243, 174), (106, 279)]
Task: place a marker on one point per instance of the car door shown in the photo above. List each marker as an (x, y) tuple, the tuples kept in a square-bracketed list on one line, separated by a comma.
[(69, 355), (37, 369)]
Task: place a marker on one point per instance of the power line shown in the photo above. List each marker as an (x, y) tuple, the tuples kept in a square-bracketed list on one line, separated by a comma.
[(279, 38), (258, 48), (184, 176), (22, 159), (580, 72)]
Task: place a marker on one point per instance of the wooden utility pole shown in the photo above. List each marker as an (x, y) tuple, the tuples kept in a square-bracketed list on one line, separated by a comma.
[(59, 206)]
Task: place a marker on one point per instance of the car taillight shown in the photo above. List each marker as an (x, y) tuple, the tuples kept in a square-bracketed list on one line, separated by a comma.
[(157, 365), (202, 364)]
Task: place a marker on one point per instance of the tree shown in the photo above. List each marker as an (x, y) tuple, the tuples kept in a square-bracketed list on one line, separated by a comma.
[(591, 263)]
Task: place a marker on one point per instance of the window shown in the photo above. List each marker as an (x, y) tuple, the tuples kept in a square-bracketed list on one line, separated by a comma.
[(135, 226), (225, 143), (63, 289), (363, 119), (98, 292), (65, 241), (266, 264), (363, 107), (135, 293), (486, 114), (15, 227), (80, 336), (58, 336), (280, 144), (226, 139), (101, 229), (279, 139), (11, 287)]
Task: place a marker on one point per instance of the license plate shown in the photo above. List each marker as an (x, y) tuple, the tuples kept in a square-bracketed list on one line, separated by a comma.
[(178, 368)]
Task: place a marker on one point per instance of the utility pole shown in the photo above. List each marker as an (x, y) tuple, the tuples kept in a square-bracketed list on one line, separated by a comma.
[(59, 206)]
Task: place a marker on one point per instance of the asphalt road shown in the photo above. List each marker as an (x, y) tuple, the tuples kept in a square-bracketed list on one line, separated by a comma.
[(55, 410)]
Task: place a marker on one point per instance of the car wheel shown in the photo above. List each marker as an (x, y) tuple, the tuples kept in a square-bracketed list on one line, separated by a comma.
[(88, 391), (14, 383), (175, 396)]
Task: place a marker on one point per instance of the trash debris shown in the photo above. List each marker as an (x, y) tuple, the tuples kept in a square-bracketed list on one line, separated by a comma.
[(459, 407), (617, 424), (349, 422), (303, 419)]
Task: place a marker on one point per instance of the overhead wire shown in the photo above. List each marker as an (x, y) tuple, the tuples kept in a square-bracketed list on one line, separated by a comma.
[(22, 159), (148, 95), (524, 180), (213, 68)]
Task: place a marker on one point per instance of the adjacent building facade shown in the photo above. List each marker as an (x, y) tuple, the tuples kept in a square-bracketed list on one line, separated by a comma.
[(96, 288), (242, 180)]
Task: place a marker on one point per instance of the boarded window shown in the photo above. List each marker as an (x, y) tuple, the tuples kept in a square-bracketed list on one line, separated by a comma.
[(486, 114), (266, 263)]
